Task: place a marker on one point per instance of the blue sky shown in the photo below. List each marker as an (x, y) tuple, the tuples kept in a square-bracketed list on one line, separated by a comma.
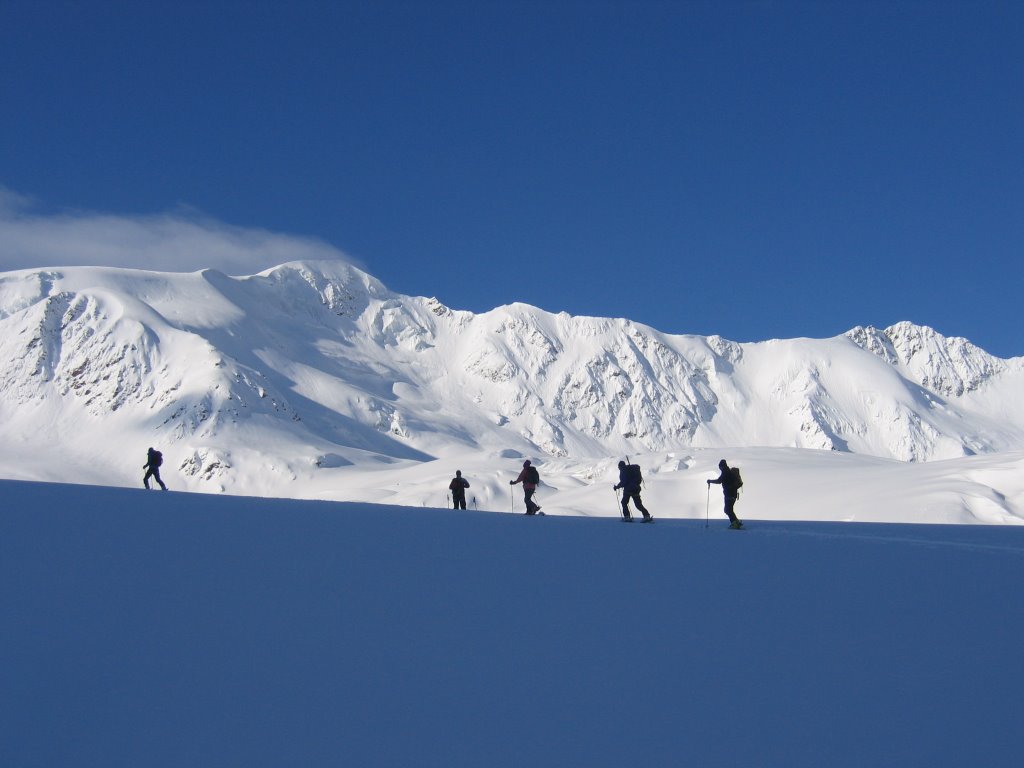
[(752, 169)]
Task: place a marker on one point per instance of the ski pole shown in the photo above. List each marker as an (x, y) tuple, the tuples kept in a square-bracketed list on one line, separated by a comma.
[(624, 510), (619, 508), (707, 506)]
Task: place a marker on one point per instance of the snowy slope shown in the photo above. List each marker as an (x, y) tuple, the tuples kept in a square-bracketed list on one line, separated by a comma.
[(194, 629), (314, 380)]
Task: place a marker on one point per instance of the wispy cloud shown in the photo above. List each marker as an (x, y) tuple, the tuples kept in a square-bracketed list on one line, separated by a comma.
[(182, 241)]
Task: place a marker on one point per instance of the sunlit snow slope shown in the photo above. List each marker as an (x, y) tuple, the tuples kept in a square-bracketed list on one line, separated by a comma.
[(314, 380)]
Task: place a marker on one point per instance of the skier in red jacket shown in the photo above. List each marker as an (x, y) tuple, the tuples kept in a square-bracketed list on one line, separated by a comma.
[(529, 477)]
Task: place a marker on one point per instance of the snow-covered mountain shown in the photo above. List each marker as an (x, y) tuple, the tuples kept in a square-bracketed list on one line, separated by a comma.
[(256, 384)]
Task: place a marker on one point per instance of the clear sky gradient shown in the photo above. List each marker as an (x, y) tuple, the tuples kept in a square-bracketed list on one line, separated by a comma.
[(752, 169)]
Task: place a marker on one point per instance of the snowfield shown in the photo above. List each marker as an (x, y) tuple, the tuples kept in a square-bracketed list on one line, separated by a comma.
[(169, 629), (313, 380)]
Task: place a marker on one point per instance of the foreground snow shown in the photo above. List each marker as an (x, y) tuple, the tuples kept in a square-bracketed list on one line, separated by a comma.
[(185, 629)]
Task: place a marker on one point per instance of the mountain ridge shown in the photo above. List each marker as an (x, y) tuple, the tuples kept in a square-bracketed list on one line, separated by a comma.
[(321, 359)]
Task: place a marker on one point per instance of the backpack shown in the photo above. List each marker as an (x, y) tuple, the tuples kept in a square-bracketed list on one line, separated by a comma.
[(532, 475), (634, 475), (736, 477), (157, 459)]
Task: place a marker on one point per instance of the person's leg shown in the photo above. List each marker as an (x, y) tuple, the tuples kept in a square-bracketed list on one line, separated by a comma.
[(639, 504), (730, 504), (530, 506)]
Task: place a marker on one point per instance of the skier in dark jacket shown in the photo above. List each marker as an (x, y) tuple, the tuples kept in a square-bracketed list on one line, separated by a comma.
[(730, 490), (152, 466), (458, 487), (529, 477), (629, 482)]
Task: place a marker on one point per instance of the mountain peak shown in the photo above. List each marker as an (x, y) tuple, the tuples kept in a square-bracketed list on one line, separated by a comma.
[(319, 359), (949, 366)]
